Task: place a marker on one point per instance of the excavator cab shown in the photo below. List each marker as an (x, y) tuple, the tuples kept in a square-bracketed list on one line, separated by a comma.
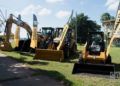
[(24, 44)]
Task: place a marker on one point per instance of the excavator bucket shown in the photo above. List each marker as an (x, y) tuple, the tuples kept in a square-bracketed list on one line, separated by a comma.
[(104, 69), (49, 54)]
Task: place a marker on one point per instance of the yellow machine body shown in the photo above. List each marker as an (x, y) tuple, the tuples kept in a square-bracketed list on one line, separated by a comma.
[(34, 38), (52, 54), (96, 58), (17, 36), (49, 54), (93, 58)]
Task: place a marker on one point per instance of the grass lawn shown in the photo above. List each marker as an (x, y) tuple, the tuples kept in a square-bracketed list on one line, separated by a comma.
[(63, 71)]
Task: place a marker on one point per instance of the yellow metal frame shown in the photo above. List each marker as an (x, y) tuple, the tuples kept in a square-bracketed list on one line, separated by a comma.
[(50, 54)]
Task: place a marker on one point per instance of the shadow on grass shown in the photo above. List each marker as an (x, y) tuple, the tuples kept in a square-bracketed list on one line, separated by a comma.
[(73, 58), (55, 75), (70, 59), (27, 54), (117, 67), (28, 62)]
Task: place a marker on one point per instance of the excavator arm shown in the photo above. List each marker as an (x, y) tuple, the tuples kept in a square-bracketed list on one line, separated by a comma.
[(34, 37), (18, 22), (6, 46)]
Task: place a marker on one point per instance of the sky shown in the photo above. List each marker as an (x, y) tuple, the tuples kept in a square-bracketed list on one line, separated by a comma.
[(55, 13)]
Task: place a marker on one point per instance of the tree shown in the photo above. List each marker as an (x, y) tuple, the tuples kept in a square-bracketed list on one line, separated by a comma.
[(84, 25), (106, 16)]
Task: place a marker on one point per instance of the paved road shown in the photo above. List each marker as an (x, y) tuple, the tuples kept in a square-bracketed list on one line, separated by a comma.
[(13, 73)]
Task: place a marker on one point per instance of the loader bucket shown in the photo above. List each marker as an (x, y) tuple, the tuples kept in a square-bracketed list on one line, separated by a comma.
[(104, 69), (48, 54)]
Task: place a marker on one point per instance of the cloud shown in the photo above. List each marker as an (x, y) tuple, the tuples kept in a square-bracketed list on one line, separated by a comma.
[(32, 9), (44, 12), (62, 14), (54, 1), (112, 5)]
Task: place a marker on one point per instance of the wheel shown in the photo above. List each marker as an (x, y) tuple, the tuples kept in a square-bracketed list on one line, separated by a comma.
[(74, 48), (81, 58), (108, 60), (67, 54), (66, 51)]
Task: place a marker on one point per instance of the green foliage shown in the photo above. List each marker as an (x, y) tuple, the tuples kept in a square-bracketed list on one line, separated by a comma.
[(106, 16), (84, 25)]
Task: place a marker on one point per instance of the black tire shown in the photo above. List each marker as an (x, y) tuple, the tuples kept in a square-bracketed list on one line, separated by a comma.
[(74, 49), (66, 52), (81, 58), (108, 60)]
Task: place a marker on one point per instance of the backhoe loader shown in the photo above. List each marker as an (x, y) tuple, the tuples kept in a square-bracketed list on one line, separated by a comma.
[(60, 47), (95, 57)]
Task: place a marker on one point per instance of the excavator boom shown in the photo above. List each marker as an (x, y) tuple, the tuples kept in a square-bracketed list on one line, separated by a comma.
[(6, 44)]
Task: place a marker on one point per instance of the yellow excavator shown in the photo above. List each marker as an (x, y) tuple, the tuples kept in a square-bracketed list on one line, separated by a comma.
[(95, 57), (12, 19), (60, 47)]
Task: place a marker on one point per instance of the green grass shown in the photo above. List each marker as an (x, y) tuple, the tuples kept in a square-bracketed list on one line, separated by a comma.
[(63, 71)]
